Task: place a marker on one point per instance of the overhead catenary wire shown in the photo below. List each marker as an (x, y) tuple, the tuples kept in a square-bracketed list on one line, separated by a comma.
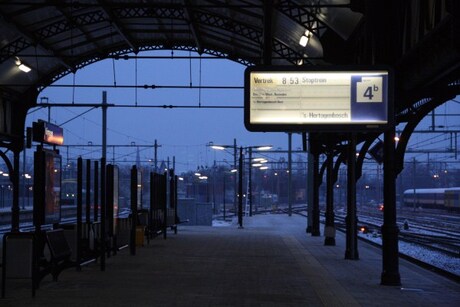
[(144, 86), (90, 149), (160, 106), (35, 110), (77, 116), (430, 141)]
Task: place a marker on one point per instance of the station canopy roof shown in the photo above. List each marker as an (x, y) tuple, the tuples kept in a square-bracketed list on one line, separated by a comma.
[(55, 38)]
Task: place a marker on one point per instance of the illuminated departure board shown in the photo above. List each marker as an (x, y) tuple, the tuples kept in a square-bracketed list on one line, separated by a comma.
[(286, 98)]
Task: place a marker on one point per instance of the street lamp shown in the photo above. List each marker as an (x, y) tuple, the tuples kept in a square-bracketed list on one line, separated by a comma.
[(240, 174), (202, 179), (240, 185), (224, 147), (259, 162), (262, 148), (218, 147)]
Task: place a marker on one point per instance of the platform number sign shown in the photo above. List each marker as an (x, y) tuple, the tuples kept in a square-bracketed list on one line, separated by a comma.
[(369, 98), (369, 89)]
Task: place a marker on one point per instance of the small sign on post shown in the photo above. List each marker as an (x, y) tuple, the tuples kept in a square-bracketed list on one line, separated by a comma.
[(48, 133)]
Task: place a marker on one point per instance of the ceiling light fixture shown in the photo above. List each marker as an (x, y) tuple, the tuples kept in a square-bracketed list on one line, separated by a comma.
[(23, 67), (305, 38)]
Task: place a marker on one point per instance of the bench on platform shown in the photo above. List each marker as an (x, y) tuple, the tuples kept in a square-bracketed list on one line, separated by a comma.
[(60, 253)]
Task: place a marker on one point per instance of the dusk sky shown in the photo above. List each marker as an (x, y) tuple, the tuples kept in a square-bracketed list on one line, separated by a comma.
[(181, 132)]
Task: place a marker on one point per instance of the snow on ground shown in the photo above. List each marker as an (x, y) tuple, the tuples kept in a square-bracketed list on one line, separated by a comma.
[(437, 259), (221, 223)]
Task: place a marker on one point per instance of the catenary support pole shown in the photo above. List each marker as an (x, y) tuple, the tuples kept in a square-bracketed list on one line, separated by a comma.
[(104, 125), (155, 156), (240, 190)]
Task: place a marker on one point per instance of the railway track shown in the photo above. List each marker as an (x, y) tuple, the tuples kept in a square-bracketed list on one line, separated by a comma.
[(445, 243), (440, 244), (427, 236), (425, 232)]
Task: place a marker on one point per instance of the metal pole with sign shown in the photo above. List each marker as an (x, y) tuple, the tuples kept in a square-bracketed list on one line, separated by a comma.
[(345, 99)]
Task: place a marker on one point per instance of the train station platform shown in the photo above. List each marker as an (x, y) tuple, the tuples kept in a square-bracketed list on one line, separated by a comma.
[(271, 262)]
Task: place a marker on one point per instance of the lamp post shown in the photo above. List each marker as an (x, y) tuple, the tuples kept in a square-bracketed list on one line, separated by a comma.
[(240, 190), (202, 179), (254, 163), (27, 178), (234, 147), (258, 163), (240, 173)]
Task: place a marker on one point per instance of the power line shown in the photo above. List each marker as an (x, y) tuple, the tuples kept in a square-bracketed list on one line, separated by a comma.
[(164, 106), (145, 86)]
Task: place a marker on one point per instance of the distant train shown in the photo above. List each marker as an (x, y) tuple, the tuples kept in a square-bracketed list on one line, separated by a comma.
[(69, 192), (439, 198)]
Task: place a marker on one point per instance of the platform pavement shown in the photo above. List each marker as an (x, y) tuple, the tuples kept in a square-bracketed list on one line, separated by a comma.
[(271, 262)]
